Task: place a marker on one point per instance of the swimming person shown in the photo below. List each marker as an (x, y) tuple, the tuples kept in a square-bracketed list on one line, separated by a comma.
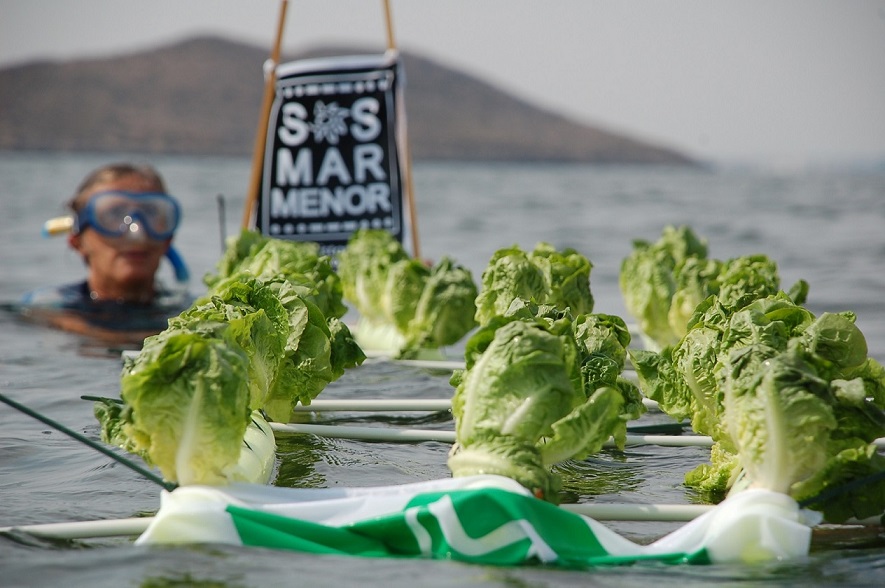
[(122, 225)]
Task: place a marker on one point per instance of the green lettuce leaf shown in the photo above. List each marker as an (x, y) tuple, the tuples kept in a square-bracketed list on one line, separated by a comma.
[(299, 262), (560, 279), (538, 388), (405, 306), (188, 406)]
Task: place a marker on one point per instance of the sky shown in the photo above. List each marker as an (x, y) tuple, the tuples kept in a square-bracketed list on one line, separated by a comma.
[(785, 83)]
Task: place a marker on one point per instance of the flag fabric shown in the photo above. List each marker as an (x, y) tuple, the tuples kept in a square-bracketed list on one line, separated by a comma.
[(335, 152), (478, 519)]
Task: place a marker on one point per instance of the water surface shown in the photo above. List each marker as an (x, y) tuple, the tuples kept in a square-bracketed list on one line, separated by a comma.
[(828, 229)]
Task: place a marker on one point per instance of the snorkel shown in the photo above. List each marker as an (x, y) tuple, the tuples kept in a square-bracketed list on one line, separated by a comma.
[(65, 224)]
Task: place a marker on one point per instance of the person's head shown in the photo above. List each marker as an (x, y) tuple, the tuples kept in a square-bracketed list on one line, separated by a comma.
[(123, 228)]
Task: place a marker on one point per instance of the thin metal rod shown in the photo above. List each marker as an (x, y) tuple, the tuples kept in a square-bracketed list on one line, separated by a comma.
[(222, 221), (87, 441)]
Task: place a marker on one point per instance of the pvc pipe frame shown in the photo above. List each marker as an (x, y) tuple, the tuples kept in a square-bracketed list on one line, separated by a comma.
[(138, 525), (423, 435), (440, 404)]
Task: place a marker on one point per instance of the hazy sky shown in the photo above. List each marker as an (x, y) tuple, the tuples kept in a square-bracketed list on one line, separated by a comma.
[(778, 81)]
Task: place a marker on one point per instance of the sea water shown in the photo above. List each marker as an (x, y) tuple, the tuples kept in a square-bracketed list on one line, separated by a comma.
[(825, 227)]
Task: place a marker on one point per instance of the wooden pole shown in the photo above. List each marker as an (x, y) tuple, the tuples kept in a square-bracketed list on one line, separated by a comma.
[(391, 42), (261, 133), (407, 155)]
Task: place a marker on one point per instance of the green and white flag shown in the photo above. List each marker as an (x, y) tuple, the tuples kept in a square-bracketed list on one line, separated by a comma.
[(480, 519)]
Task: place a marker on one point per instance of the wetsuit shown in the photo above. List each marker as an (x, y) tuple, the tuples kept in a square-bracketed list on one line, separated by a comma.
[(108, 314)]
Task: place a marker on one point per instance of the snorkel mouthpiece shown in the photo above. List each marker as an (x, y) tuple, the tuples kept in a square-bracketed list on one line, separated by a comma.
[(58, 226)]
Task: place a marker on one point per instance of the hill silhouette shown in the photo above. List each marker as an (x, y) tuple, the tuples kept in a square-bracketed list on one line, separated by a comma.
[(202, 96)]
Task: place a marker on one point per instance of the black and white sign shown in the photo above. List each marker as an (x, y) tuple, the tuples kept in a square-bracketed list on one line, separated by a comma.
[(332, 162)]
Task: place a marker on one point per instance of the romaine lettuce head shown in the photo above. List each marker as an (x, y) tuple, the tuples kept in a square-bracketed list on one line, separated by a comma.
[(745, 279), (666, 284), (544, 276), (509, 275), (604, 334), (405, 306), (686, 379), (246, 312), (508, 401), (306, 368), (402, 289), (300, 262), (532, 392), (779, 416), (363, 266), (792, 400), (648, 282), (445, 308), (188, 403), (567, 274)]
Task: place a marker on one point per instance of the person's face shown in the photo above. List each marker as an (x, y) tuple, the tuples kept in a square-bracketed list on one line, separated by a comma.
[(120, 262)]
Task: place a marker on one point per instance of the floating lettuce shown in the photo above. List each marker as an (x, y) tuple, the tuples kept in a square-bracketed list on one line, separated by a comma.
[(648, 281), (299, 262), (248, 314), (404, 305), (544, 276), (791, 401), (295, 362), (186, 407), (250, 344), (664, 282), (538, 388)]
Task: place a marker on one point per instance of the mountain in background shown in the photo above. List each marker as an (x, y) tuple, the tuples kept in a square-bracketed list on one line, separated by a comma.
[(203, 97)]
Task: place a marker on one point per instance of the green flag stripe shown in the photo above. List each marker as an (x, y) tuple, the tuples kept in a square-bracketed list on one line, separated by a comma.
[(480, 513), (489, 526), (262, 529)]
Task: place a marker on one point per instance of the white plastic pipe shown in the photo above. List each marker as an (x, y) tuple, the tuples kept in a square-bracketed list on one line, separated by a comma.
[(639, 512), (377, 405), (421, 435), (85, 529), (137, 526), (366, 433), (394, 405)]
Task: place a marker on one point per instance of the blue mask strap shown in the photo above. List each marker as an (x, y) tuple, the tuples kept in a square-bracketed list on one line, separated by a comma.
[(181, 272)]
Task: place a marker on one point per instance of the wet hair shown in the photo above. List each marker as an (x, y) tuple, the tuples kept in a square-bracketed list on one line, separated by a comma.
[(113, 172)]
